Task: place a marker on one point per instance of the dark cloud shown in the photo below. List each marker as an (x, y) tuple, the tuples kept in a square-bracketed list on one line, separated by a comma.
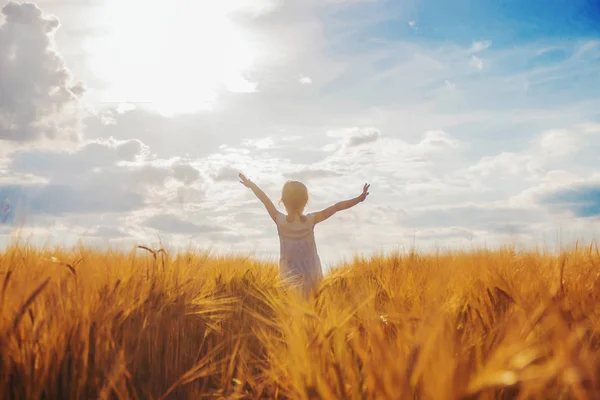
[(173, 224), (57, 199), (110, 189), (97, 178), (60, 199), (97, 154), (37, 96), (582, 200)]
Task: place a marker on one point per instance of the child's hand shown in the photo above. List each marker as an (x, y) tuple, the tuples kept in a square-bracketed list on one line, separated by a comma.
[(244, 181), (365, 192)]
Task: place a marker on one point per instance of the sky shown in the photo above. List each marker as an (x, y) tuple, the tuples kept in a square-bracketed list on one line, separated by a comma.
[(123, 122)]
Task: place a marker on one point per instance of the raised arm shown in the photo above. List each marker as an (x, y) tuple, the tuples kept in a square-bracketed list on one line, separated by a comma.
[(342, 205), (261, 196)]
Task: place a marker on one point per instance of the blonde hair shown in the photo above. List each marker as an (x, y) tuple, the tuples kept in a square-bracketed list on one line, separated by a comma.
[(294, 197)]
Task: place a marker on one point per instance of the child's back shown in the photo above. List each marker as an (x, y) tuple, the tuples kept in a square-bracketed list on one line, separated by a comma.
[(298, 256)]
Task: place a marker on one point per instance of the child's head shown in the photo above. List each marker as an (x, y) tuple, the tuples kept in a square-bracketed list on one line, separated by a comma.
[(294, 196)]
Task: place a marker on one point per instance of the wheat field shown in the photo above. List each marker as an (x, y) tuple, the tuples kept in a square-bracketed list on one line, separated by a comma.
[(478, 324)]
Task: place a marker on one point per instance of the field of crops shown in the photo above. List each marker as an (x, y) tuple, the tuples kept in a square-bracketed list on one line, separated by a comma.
[(501, 324)]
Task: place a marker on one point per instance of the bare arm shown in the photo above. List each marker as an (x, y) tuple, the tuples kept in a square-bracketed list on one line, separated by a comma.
[(342, 205), (261, 196)]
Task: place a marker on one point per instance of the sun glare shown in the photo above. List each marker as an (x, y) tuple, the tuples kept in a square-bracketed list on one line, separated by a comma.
[(172, 55)]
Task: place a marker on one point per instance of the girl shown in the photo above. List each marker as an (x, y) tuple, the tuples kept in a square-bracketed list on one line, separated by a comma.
[(298, 256)]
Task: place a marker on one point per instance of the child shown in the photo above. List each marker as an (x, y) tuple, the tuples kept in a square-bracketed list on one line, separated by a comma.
[(298, 256)]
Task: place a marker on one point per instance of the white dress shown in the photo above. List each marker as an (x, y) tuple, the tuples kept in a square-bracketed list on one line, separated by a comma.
[(298, 256)]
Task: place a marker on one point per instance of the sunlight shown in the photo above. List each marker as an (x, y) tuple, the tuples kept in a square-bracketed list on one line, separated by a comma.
[(173, 55)]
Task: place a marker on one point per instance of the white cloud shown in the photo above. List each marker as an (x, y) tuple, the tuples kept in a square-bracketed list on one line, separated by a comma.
[(353, 137), (488, 218), (554, 159), (186, 173), (305, 80), (306, 174), (535, 160), (506, 163), (558, 143), (38, 99), (362, 136), (103, 231), (540, 158), (226, 173), (403, 169), (107, 119), (479, 46), (476, 62), (437, 140), (449, 85), (544, 192), (590, 128), (125, 107), (259, 144)]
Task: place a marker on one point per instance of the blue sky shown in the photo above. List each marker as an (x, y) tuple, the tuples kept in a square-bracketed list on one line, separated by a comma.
[(475, 121), (505, 22)]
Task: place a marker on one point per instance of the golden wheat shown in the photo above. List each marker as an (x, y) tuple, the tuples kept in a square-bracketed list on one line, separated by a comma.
[(146, 324)]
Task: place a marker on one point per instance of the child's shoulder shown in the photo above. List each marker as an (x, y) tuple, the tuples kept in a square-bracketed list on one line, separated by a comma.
[(303, 218)]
